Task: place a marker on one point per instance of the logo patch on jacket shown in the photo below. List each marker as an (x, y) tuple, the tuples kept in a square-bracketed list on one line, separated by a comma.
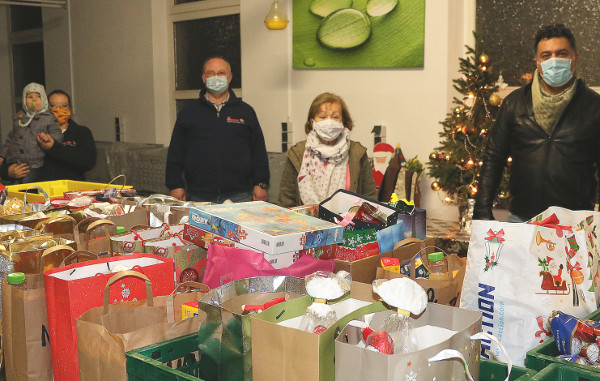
[(232, 120), (69, 143)]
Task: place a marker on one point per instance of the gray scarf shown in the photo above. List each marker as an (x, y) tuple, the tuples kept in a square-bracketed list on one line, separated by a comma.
[(548, 108)]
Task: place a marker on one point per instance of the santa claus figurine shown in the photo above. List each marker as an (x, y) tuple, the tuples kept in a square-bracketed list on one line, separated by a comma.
[(382, 153)]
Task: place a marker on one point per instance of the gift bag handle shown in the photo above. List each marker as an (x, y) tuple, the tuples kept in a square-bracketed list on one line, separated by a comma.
[(98, 223), (76, 255), (115, 178), (452, 353), (189, 285), (407, 241), (123, 274), (42, 191), (52, 250), (42, 225)]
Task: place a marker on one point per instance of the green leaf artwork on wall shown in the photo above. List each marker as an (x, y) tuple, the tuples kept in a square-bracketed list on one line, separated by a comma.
[(358, 33)]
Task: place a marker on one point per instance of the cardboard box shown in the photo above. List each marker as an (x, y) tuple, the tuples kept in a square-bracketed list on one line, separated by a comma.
[(357, 244), (265, 227), (343, 201), (203, 238), (189, 310), (364, 270)]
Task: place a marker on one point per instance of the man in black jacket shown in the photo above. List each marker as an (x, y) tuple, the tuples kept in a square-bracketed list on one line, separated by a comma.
[(217, 150), (551, 129), (77, 153)]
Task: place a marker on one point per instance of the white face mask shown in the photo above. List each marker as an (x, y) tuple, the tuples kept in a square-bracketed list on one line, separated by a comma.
[(328, 129)]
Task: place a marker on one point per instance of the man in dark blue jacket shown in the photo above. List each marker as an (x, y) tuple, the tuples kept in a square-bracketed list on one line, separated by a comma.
[(217, 149)]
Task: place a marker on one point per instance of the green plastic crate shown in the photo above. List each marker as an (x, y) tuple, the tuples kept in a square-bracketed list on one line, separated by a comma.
[(545, 354), (496, 371), (558, 372), (176, 360)]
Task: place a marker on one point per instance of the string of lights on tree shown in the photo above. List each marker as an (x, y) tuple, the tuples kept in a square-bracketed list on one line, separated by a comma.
[(456, 163)]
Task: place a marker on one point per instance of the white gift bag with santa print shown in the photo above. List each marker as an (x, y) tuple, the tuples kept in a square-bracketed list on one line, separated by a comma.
[(518, 273)]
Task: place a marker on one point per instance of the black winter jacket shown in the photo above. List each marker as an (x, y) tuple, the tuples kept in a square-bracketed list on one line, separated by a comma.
[(217, 152), (547, 170), (71, 159)]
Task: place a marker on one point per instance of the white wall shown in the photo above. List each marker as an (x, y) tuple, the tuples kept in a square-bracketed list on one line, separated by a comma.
[(113, 68), (410, 102), (57, 49), (120, 68)]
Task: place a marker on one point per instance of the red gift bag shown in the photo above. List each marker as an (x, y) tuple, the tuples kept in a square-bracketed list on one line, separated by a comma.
[(74, 289)]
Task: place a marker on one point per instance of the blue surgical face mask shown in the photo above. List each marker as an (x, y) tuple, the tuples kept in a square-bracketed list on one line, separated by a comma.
[(556, 71), (217, 84)]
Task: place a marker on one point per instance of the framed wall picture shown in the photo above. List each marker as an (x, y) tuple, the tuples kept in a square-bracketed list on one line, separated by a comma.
[(358, 34)]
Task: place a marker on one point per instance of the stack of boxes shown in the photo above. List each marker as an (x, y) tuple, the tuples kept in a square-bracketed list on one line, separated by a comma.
[(280, 234)]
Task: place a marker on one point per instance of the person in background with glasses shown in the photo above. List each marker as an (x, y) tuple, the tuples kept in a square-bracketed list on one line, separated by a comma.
[(217, 149), (76, 154), (22, 156)]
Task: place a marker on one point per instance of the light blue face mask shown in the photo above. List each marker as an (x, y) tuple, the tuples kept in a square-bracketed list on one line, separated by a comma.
[(556, 71), (217, 84)]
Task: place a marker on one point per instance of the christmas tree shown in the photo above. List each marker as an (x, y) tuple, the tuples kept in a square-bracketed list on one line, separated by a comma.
[(456, 163)]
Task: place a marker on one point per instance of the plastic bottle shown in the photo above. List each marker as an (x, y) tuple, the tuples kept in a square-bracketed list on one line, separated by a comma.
[(16, 279), (438, 266)]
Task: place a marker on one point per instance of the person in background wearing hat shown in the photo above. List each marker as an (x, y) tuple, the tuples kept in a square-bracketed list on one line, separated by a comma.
[(22, 157), (327, 160)]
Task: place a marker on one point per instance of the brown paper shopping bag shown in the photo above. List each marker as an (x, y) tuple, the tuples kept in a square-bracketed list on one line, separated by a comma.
[(26, 346), (93, 234), (25, 335), (438, 291), (437, 328), (282, 351), (62, 225), (105, 333)]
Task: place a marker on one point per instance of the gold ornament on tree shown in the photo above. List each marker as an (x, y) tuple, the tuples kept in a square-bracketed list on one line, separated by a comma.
[(435, 186), (484, 59), (495, 100), (503, 194)]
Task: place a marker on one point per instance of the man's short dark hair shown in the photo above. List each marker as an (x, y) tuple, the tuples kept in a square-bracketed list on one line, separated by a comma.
[(554, 31), (215, 56), (61, 92)]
